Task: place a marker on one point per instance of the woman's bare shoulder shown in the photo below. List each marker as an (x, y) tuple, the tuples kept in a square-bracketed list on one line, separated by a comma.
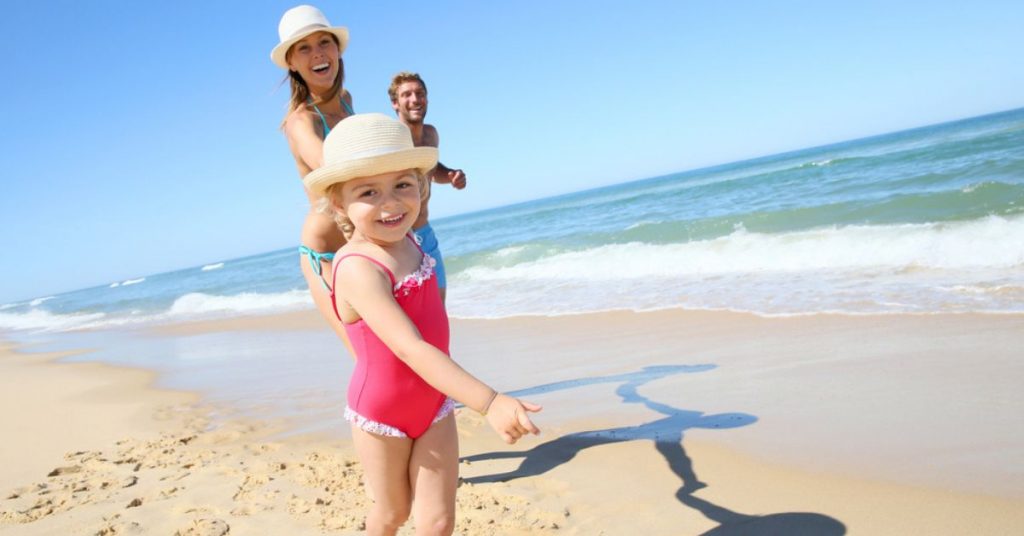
[(298, 118)]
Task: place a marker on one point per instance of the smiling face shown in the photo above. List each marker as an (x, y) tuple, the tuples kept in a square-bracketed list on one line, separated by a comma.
[(381, 208), (315, 58), (410, 102)]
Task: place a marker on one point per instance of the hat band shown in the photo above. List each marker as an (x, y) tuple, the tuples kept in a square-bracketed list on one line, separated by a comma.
[(309, 28), (377, 151)]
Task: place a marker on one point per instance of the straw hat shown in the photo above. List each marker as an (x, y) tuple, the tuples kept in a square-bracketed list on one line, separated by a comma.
[(364, 145), (296, 24)]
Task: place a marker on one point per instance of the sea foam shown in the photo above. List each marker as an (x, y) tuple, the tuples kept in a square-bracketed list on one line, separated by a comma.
[(854, 269), (40, 320), (199, 304), (992, 242)]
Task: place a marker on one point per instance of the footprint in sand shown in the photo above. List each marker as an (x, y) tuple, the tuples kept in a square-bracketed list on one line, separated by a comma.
[(205, 527), (113, 525)]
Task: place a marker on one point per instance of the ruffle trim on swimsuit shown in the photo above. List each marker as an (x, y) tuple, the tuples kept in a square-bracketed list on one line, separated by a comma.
[(379, 428), (417, 278)]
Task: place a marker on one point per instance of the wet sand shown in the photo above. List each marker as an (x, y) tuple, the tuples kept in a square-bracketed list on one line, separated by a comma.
[(658, 423)]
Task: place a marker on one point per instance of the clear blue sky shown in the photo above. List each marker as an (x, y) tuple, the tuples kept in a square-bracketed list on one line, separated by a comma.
[(141, 137)]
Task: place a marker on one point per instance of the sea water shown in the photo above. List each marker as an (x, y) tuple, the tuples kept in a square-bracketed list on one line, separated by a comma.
[(929, 220)]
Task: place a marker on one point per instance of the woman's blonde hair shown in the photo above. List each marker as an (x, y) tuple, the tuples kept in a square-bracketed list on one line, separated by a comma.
[(325, 205)]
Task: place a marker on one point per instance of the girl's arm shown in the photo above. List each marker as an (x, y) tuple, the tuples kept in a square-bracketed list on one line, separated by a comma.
[(368, 290)]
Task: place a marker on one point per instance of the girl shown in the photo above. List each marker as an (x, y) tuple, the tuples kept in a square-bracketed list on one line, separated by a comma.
[(388, 300), (310, 50)]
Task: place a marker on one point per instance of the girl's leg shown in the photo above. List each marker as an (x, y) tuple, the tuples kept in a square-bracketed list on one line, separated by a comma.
[(386, 466), (434, 475)]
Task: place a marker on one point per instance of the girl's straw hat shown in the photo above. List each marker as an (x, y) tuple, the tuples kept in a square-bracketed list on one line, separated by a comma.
[(365, 145), (296, 24)]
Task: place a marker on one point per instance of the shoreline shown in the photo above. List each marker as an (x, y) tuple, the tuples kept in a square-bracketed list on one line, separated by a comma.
[(734, 389)]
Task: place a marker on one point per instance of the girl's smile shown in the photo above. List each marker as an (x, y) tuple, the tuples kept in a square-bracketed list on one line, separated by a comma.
[(392, 221)]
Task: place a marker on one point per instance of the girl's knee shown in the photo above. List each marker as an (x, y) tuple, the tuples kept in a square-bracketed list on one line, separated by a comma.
[(441, 524), (390, 518)]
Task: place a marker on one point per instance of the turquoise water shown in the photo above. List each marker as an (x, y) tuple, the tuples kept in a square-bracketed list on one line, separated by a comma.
[(925, 220)]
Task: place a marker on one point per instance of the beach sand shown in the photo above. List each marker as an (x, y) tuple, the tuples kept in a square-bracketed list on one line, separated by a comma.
[(657, 423)]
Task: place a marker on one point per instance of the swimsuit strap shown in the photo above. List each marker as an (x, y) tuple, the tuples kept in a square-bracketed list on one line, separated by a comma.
[(416, 240), (334, 273), (327, 129), (334, 277), (315, 260)]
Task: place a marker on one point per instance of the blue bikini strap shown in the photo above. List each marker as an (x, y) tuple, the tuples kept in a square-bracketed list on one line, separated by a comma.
[(315, 260), (327, 129)]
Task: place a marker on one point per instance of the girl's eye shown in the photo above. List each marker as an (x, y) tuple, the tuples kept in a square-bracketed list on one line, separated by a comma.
[(367, 193), (404, 184)]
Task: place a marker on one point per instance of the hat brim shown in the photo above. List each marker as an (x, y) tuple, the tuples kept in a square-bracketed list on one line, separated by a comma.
[(420, 158), (281, 50)]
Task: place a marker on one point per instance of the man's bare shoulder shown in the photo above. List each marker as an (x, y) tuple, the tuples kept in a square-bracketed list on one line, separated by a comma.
[(430, 137)]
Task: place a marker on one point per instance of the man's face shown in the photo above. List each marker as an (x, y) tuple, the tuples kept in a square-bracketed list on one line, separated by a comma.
[(411, 104)]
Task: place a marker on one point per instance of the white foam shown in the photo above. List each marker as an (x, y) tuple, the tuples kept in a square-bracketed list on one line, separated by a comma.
[(115, 284), (132, 281), (855, 269), (215, 266), (507, 252), (40, 320), (194, 306), (198, 304), (993, 243), (37, 301)]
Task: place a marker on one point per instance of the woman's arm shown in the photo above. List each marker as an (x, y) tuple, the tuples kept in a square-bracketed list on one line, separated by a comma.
[(303, 139)]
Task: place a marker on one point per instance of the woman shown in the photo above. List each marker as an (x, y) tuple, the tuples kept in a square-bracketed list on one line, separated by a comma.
[(310, 50)]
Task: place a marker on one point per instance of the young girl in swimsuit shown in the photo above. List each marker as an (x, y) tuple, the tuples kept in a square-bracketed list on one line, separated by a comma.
[(400, 396), (310, 49)]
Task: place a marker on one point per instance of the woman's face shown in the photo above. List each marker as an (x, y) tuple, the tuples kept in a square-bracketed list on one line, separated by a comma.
[(315, 58)]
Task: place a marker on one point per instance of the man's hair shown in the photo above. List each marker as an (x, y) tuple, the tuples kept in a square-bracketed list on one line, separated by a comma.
[(402, 78)]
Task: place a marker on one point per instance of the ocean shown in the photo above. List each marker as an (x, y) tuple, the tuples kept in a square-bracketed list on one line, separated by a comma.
[(929, 220)]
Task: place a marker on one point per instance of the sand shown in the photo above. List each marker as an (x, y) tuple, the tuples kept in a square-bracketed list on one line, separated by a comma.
[(657, 423)]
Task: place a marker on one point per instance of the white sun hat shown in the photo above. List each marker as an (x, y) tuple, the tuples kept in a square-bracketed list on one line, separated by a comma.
[(364, 145), (296, 24)]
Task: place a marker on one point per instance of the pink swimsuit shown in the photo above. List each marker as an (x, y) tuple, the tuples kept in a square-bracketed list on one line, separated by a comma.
[(385, 396)]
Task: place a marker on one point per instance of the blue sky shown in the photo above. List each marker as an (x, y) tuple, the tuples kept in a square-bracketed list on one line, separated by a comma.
[(142, 137)]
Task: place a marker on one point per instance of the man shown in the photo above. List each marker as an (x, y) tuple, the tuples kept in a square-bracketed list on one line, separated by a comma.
[(408, 95)]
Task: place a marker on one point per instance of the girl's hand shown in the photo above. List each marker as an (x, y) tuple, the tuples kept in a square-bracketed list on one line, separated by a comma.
[(508, 416)]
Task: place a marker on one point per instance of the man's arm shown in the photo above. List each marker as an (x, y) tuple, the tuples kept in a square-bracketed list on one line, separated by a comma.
[(441, 173)]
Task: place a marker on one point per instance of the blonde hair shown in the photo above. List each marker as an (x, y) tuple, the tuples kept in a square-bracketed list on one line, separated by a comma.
[(325, 205)]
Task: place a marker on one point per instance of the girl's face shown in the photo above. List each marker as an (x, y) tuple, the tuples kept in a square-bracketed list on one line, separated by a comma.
[(315, 58), (382, 208)]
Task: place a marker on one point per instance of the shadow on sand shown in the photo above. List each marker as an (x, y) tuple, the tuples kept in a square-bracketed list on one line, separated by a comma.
[(667, 435)]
